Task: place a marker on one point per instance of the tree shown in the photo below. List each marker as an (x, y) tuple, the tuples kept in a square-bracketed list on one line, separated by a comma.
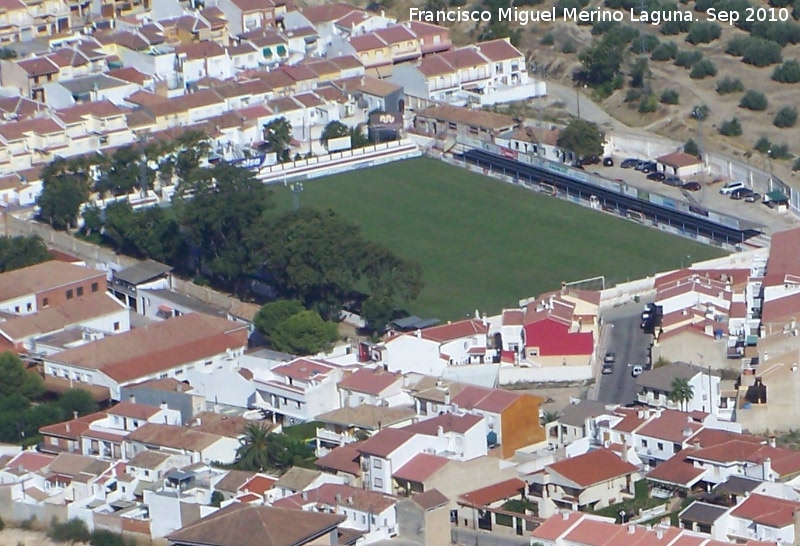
[(252, 451), (640, 72), (77, 401), (18, 252), (691, 148), (730, 85), (754, 100), (702, 69), (731, 127), (272, 314), (703, 32), (216, 499), (664, 51), (304, 333), (278, 136), (334, 129), (682, 392), (788, 72), (218, 210), (583, 138), (601, 63), (72, 531), (786, 117), (125, 171), (670, 96), (15, 379), (63, 193)]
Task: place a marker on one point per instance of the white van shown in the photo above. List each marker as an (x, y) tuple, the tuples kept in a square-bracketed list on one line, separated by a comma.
[(731, 187)]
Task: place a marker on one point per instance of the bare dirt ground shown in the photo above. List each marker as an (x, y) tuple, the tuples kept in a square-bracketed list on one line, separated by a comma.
[(21, 537)]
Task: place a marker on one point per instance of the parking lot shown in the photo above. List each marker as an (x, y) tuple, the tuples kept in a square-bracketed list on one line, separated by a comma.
[(708, 196)]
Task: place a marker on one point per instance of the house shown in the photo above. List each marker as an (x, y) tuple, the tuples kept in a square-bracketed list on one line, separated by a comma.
[(761, 517), (404, 43), (98, 312), (655, 386), (432, 38), (125, 284), (95, 125), (238, 523), (536, 140), (575, 422), (579, 529), (159, 350), (298, 390), (373, 52), (197, 445), (258, 488), (424, 518), (297, 480), (372, 514), (507, 414), (681, 164), (509, 62), (453, 120), (431, 350), (29, 76), (177, 394), (350, 423), (475, 507), (461, 437), (662, 437), (66, 436), (199, 60), (375, 94), (153, 466), (590, 481), (248, 15), (343, 462), (27, 290), (384, 453), (372, 386)]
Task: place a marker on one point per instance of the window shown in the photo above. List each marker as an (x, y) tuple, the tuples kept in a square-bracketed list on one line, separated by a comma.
[(147, 473), (377, 463), (69, 294), (30, 307), (116, 326), (660, 446), (79, 291), (363, 517), (16, 308), (298, 405), (379, 483), (644, 443)]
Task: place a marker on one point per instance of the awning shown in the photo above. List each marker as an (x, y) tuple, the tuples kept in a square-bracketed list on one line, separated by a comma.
[(267, 52), (776, 195), (281, 50), (165, 308)]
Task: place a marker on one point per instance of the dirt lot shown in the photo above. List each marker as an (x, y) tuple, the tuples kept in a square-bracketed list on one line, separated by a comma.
[(20, 537)]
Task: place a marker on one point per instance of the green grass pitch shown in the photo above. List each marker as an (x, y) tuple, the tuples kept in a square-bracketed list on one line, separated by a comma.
[(485, 244)]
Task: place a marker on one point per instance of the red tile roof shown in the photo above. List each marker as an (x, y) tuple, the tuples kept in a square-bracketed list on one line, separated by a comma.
[(679, 159), (513, 317), (258, 484), (709, 437), (385, 442), (491, 494), (430, 499), (134, 411), (73, 428), (500, 50), (553, 338), (421, 467), (456, 330), (781, 309), (370, 380), (784, 257), (729, 452), (344, 458), (302, 369), (449, 422), (367, 42), (769, 511), (677, 470), (672, 426), (631, 420), (592, 468), (30, 461), (555, 526), (489, 400)]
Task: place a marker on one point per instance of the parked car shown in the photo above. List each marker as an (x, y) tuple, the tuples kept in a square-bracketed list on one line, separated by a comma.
[(673, 181), (730, 187), (590, 160), (610, 357), (646, 166), (608, 369), (629, 163), (637, 370), (608, 162), (740, 193), (752, 197), (692, 186), (656, 176)]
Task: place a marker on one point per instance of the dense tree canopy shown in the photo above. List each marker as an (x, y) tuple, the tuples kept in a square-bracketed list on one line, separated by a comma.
[(19, 252), (15, 379), (272, 314), (304, 333), (260, 450), (278, 136), (582, 137), (65, 187)]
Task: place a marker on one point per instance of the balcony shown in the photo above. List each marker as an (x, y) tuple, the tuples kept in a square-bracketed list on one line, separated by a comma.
[(340, 438)]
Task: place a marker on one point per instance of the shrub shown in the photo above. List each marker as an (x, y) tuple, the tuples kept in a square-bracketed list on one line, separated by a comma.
[(632, 95), (2, 524), (731, 128), (74, 530), (664, 51), (754, 100), (780, 32), (780, 151), (730, 85), (548, 39), (786, 117), (29, 523), (788, 72), (568, 46), (101, 537), (648, 104), (670, 96), (796, 166), (601, 27), (763, 145), (703, 32), (691, 147), (702, 69), (688, 59), (754, 51), (646, 43)]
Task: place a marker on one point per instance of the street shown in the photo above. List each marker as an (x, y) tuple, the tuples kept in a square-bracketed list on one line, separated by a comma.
[(630, 344)]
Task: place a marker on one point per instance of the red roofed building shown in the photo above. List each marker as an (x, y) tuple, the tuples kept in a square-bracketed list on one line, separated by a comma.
[(593, 480), (373, 386), (681, 164), (431, 350), (760, 517)]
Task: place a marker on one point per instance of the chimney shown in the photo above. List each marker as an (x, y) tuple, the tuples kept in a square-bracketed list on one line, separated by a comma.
[(659, 533), (624, 449), (75, 414), (773, 441), (565, 515), (198, 422), (796, 516), (164, 405), (350, 501), (132, 399), (447, 397), (696, 444), (768, 469), (418, 333), (304, 495), (440, 432), (67, 426)]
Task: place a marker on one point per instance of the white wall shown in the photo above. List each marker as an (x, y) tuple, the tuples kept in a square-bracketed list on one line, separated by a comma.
[(222, 384), (411, 354), (19, 306)]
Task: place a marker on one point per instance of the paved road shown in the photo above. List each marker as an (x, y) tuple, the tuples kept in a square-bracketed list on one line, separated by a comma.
[(468, 537), (630, 344)]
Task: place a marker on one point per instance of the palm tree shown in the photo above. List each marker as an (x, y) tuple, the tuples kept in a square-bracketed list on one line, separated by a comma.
[(253, 451), (682, 392)]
